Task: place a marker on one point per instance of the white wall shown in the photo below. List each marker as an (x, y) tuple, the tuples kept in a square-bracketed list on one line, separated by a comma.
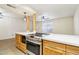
[(63, 25), (9, 26), (76, 21)]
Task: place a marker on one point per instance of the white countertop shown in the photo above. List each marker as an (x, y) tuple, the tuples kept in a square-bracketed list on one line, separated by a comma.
[(25, 33), (61, 38)]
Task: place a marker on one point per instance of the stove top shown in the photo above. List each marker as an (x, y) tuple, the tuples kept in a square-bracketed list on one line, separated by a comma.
[(37, 37), (40, 34)]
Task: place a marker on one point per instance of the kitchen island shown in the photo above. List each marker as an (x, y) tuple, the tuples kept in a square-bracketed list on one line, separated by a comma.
[(52, 44), (60, 44), (65, 39)]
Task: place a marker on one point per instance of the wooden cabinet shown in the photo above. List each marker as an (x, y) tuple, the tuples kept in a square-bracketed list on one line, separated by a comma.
[(72, 50), (53, 48), (54, 45), (52, 51), (19, 44), (49, 47), (18, 37)]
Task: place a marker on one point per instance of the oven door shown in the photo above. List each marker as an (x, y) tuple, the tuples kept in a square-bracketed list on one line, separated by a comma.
[(33, 48)]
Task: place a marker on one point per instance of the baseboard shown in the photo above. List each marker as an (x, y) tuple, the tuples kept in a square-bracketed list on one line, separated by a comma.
[(7, 38)]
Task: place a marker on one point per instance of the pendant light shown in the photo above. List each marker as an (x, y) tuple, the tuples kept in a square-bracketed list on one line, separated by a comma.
[(24, 16)]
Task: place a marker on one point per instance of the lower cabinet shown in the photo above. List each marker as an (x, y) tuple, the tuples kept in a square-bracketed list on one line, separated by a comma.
[(22, 47), (73, 50), (52, 51), (49, 47), (55, 48), (19, 44)]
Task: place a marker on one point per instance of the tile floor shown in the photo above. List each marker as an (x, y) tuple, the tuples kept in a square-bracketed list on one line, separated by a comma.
[(7, 47)]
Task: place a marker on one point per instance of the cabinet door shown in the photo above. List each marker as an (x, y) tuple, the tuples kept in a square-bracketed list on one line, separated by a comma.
[(19, 43), (72, 49), (52, 51), (22, 48), (18, 38), (54, 45)]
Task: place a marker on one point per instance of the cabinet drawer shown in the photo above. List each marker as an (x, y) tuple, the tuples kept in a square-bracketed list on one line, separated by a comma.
[(72, 49), (54, 44), (22, 48), (17, 45), (52, 51), (22, 44), (18, 38)]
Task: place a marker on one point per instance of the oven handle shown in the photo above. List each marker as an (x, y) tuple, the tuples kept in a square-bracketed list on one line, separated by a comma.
[(33, 44)]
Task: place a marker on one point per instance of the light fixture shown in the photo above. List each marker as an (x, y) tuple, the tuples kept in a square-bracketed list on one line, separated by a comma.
[(24, 16)]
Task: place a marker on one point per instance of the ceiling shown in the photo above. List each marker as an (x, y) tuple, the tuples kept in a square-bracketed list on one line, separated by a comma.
[(55, 10), (16, 10), (49, 10)]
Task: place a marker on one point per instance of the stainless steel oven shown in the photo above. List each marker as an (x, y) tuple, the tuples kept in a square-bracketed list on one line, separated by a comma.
[(34, 44), (33, 48)]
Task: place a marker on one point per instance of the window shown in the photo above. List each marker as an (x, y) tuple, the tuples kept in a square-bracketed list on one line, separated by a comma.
[(47, 26)]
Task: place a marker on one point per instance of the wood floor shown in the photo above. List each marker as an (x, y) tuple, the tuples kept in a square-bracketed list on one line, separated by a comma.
[(7, 47)]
